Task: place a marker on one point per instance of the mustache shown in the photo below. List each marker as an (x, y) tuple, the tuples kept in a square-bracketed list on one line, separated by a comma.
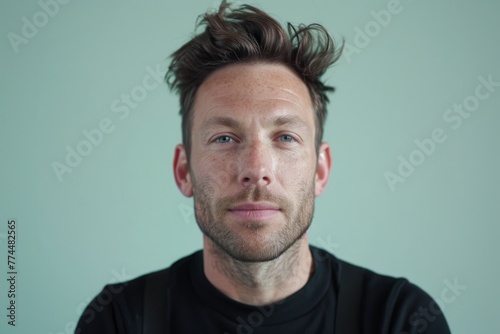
[(253, 194)]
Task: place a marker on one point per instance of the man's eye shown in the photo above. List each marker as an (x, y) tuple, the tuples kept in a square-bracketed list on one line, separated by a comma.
[(286, 138), (223, 139)]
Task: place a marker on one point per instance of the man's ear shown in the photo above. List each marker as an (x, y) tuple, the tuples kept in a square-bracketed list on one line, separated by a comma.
[(181, 171), (323, 168)]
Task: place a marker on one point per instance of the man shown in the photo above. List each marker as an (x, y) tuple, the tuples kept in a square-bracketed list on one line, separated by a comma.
[(252, 158)]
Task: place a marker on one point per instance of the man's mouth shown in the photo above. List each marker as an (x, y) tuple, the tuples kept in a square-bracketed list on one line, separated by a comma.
[(255, 210)]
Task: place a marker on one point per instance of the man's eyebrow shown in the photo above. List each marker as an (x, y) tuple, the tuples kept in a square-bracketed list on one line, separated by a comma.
[(220, 121), (289, 119), (229, 122)]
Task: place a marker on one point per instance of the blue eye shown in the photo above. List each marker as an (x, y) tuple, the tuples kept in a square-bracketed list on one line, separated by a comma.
[(286, 138), (223, 139)]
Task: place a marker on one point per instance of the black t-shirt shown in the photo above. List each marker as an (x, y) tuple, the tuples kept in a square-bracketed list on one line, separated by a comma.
[(389, 305)]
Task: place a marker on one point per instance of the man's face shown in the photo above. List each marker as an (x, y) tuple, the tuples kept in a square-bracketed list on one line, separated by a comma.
[(253, 169)]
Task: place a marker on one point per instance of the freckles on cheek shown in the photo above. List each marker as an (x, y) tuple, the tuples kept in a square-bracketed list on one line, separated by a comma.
[(215, 172), (296, 171), (291, 172)]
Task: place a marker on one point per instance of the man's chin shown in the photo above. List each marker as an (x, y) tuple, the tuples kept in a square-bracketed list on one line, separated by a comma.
[(252, 253), (253, 257)]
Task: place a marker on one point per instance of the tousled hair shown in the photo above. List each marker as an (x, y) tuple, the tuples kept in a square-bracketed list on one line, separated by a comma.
[(247, 34)]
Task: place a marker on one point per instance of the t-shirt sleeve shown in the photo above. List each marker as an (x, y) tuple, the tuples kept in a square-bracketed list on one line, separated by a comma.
[(413, 311)]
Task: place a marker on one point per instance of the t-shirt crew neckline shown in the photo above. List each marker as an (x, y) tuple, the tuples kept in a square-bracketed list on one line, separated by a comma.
[(292, 307)]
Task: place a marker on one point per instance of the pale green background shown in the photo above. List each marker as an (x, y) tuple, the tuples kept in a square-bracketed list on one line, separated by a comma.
[(119, 210)]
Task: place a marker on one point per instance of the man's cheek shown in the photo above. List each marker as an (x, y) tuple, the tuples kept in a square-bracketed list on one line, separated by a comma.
[(225, 173), (222, 178), (295, 173)]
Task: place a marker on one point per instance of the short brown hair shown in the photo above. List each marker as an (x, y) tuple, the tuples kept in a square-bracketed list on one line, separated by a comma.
[(247, 34)]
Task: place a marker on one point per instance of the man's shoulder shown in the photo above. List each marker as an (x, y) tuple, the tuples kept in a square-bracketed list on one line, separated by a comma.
[(372, 280), (375, 282), (388, 287), (394, 302), (379, 286), (135, 286), (122, 304)]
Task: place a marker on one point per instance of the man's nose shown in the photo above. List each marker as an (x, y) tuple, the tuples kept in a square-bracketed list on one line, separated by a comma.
[(256, 165)]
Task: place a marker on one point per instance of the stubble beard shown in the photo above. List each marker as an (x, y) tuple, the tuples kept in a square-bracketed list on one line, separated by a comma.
[(254, 245)]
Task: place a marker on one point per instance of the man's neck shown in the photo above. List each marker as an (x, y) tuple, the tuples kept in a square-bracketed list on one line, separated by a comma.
[(258, 283)]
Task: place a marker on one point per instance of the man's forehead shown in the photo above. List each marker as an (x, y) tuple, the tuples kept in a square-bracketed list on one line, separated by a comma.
[(241, 85)]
